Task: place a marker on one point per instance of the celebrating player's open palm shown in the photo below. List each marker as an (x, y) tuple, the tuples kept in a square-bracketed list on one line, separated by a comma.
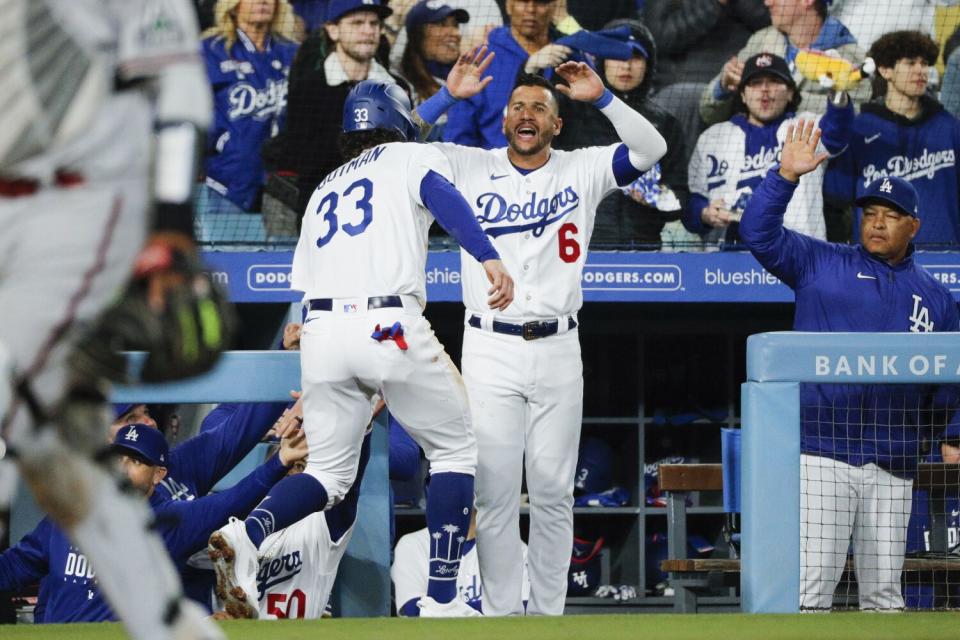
[(501, 293), (584, 83), (799, 155), (465, 79)]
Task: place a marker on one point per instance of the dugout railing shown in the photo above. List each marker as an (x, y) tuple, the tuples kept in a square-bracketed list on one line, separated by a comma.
[(777, 363)]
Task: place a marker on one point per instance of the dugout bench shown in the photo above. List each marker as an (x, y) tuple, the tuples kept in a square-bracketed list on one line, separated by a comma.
[(690, 577)]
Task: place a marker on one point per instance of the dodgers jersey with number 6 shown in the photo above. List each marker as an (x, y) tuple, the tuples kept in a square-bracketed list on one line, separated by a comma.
[(383, 181), (541, 237)]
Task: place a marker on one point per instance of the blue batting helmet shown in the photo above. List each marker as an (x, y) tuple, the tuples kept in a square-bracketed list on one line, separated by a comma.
[(379, 105)]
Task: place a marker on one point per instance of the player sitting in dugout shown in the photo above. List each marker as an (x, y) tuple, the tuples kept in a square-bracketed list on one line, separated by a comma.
[(296, 566), (732, 157), (69, 591), (227, 435)]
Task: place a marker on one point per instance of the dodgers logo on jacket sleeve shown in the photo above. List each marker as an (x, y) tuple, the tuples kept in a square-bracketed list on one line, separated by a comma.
[(540, 212)]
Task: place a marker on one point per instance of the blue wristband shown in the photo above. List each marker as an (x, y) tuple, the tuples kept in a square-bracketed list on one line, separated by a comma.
[(603, 100), (435, 106)]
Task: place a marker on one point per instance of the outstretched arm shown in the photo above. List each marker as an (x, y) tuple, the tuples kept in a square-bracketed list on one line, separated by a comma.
[(789, 255), (453, 213), (465, 80), (643, 142)]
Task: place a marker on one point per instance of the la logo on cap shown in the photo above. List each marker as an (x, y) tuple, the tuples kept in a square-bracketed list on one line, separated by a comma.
[(434, 4), (764, 61), (887, 186), (132, 435)]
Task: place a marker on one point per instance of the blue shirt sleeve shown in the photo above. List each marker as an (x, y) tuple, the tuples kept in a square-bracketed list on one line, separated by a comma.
[(186, 525), (27, 561), (454, 214), (623, 169), (462, 126), (836, 127), (404, 452), (790, 256), (227, 434)]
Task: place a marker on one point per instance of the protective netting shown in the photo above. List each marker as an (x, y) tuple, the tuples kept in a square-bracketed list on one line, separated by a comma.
[(721, 80), (880, 497)]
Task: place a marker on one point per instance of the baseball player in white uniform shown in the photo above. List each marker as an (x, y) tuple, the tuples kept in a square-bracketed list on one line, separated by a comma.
[(360, 262), (98, 93), (410, 579), (522, 366)]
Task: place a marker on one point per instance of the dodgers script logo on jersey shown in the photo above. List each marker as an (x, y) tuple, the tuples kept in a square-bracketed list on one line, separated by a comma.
[(754, 166), (278, 571), (924, 166), (541, 211), (246, 100)]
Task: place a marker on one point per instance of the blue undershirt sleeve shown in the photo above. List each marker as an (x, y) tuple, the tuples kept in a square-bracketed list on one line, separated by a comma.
[(623, 169), (454, 214)]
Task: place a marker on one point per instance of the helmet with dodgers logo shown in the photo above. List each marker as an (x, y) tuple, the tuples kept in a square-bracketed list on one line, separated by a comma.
[(379, 105)]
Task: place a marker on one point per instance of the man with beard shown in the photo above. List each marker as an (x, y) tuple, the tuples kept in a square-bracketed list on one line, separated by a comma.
[(328, 65), (522, 365)]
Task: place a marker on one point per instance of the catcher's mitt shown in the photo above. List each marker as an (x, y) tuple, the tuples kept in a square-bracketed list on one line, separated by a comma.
[(172, 310)]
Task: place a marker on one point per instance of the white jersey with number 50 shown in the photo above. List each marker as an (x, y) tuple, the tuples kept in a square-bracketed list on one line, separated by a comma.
[(540, 223), (298, 566), (365, 229)]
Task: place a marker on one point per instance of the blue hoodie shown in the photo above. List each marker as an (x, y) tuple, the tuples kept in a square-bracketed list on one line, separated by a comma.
[(923, 151), (844, 288), (478, 121)]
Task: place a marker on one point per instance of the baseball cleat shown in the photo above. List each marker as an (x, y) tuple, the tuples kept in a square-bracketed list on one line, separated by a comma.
[(192, 623), (456, 608), (235, 562)]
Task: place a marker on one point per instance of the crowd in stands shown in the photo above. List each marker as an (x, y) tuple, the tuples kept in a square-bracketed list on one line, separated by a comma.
[(722, 81), (281, 69)]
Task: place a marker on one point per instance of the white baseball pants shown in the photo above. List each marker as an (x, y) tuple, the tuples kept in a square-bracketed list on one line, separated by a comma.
[(838, 501), (342, 368), (527, 404)]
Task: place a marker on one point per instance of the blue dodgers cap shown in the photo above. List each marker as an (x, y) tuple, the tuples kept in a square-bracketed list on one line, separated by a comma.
[(638, 47), (339, 8), (146, 442), (594, 466), (120, 410), (427, 11), (894, 192)]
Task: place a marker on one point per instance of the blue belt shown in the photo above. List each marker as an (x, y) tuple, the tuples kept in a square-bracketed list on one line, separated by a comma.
[(373, 302), (528, 330)]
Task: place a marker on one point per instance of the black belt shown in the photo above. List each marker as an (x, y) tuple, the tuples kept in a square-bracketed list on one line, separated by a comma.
[(373, 302), (528, 330)]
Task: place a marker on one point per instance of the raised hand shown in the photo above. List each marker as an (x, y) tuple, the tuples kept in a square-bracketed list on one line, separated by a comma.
[(731, 74), (465, 79), (584, 83), (799, 155)]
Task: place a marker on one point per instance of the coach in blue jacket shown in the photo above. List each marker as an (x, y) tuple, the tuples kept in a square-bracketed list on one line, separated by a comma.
[(69, 590), (860, 444)]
